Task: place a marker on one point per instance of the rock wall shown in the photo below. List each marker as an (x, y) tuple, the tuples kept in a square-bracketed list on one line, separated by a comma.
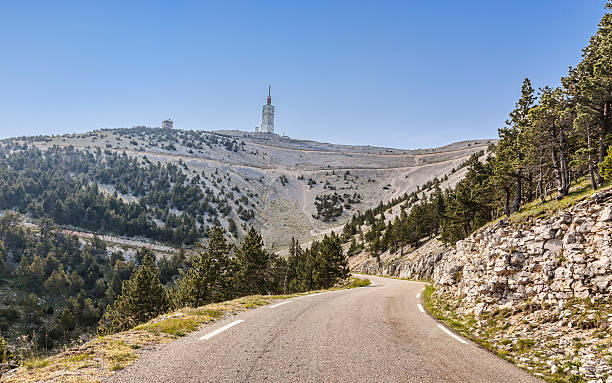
[(417, 264), (550, 260)]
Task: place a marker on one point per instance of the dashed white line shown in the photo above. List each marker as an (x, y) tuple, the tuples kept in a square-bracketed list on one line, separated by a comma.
[(420, 308), (312, 295), (221, 329), (418, 295), (279, 304), (449, 333)]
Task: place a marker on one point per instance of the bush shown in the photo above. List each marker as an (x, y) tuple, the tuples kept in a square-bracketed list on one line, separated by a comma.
[(359, 282)]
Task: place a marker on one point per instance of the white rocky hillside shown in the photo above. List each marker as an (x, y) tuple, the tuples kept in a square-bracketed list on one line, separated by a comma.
[(280, 177)]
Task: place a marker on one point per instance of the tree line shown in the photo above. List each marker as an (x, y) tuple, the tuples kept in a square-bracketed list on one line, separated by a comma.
[(553, 138), (220, 271), (62, 288)]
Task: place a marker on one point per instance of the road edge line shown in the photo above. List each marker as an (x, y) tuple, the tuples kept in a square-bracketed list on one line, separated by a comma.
[(221, 329), (451, 334)]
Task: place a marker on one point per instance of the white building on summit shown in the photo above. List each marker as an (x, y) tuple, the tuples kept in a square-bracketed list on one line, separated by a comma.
[(267, 116)]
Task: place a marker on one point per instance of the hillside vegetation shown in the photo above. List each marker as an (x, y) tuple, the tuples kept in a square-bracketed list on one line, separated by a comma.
[(553, 138), (172, 185)]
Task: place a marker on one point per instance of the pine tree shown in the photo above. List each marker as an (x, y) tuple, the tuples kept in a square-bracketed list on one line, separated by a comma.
[(58, 282), (293, 264), (253, 263), (143, 297), (511, 148), (208, 280), (605, 167), (590, 85), (331, 263)]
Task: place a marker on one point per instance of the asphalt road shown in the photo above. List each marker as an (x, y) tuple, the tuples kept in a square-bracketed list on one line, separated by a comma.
[(370, 334)]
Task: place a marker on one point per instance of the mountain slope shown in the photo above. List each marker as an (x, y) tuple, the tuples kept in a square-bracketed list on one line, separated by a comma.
[(284, 187)]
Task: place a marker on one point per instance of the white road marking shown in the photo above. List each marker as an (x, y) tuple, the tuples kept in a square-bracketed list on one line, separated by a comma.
[(448, 332), (279, 304), (420, 308), (418, 295), (221, 329)]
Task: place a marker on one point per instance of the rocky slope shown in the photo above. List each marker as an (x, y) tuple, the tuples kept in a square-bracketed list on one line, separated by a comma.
[(551, 260), (408, 264), (280, 177)]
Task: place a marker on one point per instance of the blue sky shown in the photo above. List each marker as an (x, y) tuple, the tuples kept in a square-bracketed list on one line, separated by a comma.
[(391, 73)]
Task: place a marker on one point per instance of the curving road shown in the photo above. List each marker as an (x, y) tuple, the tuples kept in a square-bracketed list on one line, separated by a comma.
[(371, 334)]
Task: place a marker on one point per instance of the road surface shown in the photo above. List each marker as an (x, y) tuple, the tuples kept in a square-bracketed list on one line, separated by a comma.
[(370, 334)]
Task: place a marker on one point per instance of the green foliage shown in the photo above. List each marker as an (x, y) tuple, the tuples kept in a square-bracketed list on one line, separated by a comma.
[(62, 186), (330, 206), (48, 305), (4, 351), (252, 265), (550, 140), (359, 282), (209, 278), (323, 265), (330, 263), (605, 168), (142, 297)]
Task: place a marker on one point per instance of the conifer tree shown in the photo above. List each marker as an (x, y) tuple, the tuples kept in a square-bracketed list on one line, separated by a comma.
[(208, 280), (143, 297), (511, 148), (252, 263), (331, 263), (293, 264)]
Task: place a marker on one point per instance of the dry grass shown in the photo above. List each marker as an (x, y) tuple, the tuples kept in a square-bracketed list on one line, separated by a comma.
[(581, 190), (536, 209)]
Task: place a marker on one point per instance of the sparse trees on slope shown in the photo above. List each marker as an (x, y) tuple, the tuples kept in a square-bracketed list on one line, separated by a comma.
[(551, 120), (590, 84)]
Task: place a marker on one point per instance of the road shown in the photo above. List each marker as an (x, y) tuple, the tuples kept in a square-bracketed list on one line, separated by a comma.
[(370, 334)]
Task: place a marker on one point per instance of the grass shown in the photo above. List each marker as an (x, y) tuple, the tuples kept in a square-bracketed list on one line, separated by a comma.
[(103, 356), (35, 363), (359, 282), (493, 324), (578, 192)]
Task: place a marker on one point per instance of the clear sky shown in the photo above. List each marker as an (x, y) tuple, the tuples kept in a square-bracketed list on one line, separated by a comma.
[(403, 74)]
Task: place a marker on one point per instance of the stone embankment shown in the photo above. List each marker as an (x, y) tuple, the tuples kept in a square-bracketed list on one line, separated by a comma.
[(417, 264), (551, 260)]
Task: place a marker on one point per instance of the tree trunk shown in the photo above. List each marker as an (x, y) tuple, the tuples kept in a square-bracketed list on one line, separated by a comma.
[(507, 201), (565, 176), (517, 191), (603, 131), (591, 170), (541, 182), (555, 162), (529, 192)]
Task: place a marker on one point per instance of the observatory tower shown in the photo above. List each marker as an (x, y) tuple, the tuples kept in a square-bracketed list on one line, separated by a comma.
[(267, 116)]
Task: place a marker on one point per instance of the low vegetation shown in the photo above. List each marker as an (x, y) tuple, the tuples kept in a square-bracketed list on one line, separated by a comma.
[(68, 186)]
